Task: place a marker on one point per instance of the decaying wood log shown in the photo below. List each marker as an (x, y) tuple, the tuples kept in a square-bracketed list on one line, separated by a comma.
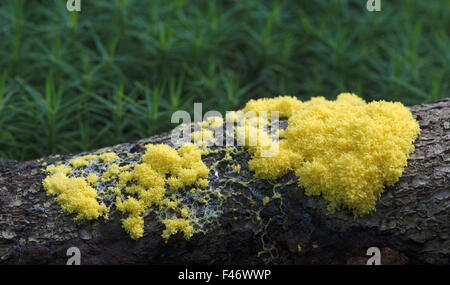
[(411, 224)]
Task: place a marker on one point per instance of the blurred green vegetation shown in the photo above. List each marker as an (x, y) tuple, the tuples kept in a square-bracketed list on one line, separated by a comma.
[(71, 82)]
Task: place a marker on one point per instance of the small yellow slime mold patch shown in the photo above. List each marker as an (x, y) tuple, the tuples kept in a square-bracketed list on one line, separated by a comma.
[(161, 165), (74, 194), (108, 157), (177, 225), (82, 160), (345, 150)]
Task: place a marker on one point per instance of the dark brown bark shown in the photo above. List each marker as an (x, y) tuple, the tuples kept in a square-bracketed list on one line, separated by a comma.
[(411, 224)]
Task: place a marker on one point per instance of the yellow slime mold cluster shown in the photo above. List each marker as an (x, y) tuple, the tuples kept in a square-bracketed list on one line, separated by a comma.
[(160, 165), (136, 186), (345, 150), (74, 194)]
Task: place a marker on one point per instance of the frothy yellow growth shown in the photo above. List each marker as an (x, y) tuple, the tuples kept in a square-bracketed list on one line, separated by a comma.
[(52, 169), (134, 225), (73, 194), (135, 186), (161, 165), (113, 171), (131, 205), (175, 225), (345, 150), (92, 178), (234, 116), (273, 166), (82, 160), (108, 157), (185, 212), (147, 177), (161, 158), (203, 138), (202, 182), (253, 136), (215, 122), (285, 105)]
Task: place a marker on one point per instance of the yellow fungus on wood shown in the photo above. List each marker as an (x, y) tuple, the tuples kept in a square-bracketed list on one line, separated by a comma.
[(112, 172), (345, 150), (202, 138), (130, 205), (202, 182), (184, 212), (177, 225), (73, 194), (92, 178), (215, 122), (82, 160), (144, 183), (185, 168), (285, 105), (108, 157), (134, 225)]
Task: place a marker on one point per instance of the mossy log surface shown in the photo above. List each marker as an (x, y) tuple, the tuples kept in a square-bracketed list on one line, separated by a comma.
[(411, 224)]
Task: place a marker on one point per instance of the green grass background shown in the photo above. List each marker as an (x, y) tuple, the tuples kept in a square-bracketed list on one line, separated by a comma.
[(71, 82)]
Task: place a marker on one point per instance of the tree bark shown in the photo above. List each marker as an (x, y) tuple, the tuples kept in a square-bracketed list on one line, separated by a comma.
[(410, 225)]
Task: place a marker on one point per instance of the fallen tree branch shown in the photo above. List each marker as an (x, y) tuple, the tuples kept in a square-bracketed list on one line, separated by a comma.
[(411, 224)]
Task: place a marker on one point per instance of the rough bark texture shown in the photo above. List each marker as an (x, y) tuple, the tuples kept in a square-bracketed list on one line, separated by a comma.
[(411, 224)]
